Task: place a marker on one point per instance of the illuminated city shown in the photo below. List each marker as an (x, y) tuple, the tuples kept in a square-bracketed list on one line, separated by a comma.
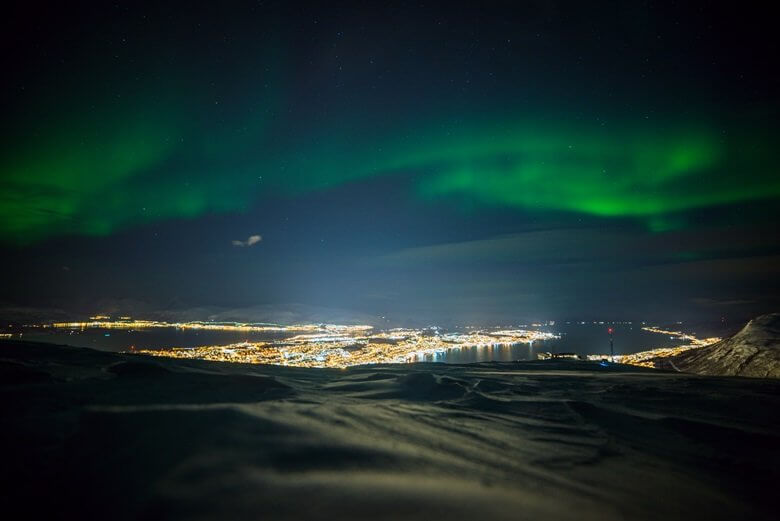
[(649, 357), (351, 346), (339, 346), (317, 345)]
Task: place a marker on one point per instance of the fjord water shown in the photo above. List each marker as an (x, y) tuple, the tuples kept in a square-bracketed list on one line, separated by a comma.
[(116, 340)]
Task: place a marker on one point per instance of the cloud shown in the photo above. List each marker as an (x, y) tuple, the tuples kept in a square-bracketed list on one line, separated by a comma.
[(715, 302), (252, 240), (583, 247)]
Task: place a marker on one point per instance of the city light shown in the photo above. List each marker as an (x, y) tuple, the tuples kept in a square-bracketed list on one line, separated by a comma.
[(338, 345), (344, 346), (649, 357)]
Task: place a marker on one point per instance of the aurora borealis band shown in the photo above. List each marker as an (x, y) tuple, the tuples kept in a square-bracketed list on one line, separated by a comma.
[(95, 181), (426, 125)]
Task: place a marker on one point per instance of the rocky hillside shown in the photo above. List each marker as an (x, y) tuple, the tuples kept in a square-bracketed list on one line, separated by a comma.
[(754, 351)]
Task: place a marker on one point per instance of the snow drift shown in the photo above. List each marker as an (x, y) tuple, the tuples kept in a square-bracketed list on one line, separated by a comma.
[(95, 435)]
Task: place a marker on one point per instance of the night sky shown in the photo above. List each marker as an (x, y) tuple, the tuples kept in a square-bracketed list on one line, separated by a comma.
[(421, 162)]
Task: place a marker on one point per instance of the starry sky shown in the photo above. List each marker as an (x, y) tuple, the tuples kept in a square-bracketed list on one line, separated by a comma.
[(420, 162)]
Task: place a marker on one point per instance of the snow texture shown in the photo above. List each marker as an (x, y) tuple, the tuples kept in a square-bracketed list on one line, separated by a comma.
[(95, 435)]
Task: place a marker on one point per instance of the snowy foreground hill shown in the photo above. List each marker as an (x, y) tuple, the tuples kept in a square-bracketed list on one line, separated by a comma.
[(90, 435)]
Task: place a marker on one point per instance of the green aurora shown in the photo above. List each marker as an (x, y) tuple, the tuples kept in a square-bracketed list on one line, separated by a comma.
[(130, 167)]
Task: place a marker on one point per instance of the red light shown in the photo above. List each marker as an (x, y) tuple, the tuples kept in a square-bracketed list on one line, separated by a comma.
[(609, 331)]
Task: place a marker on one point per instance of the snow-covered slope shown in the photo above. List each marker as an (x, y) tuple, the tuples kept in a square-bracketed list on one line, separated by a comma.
[(753, 351), (94, 435)]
